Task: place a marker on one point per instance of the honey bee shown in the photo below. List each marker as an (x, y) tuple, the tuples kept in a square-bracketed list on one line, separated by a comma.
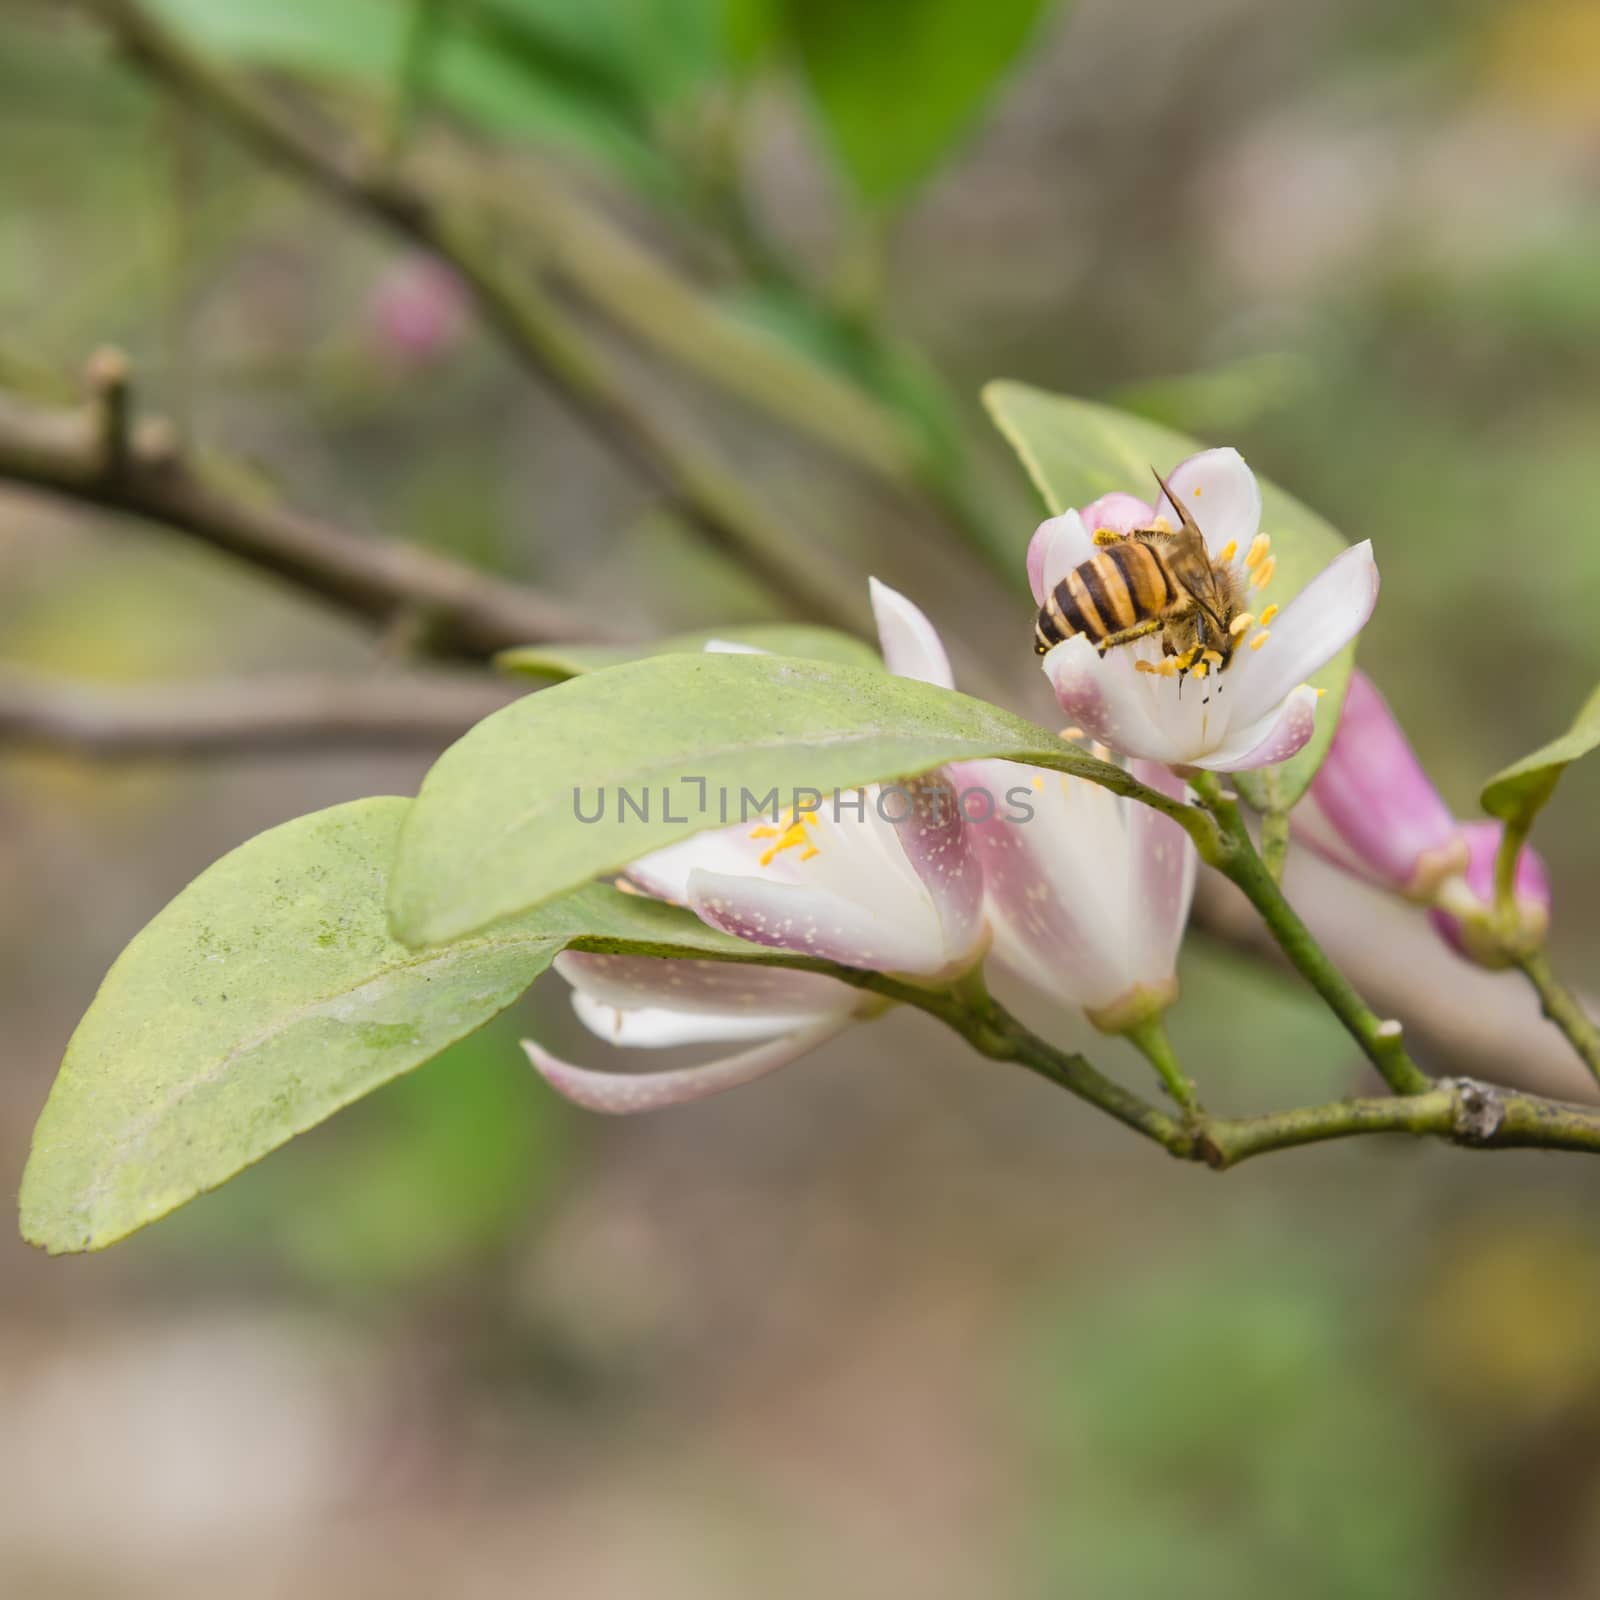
[(1153, 580)]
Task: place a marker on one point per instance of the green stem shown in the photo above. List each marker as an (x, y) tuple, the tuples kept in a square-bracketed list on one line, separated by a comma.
[(1459, 1110), (1513, 834), (1561, 1006), (411, 83), (1235, 856), (1150, 1039), (1275, 842)]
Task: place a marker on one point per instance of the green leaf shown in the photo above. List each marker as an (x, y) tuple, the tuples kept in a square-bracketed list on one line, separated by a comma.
[(559, 661), (898, 82), (264, 998), (497, 826), (1075, 451), (1517, 794)]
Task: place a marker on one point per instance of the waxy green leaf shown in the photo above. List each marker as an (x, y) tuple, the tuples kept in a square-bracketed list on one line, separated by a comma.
[(809, 643), (1075, 451), (898, 82), (500, 823), (267, 996), (1517, 794)]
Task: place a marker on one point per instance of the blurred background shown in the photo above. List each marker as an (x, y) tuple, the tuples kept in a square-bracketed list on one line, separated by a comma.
[(898, 1321)]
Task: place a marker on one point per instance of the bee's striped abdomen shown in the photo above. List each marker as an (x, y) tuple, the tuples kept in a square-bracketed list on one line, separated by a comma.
[(1124, 584)]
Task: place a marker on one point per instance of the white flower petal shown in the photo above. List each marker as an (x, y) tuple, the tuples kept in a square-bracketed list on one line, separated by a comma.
[(817, 922), (1315, 626), (621, 1093), (660, 1027), (732, 647), (1221, 493), (635, 983), (665, 873), (911, 646), (1058, 545), (1164, 863), (1057, 884), (1109, 700), (1269, 740), (935, 840)]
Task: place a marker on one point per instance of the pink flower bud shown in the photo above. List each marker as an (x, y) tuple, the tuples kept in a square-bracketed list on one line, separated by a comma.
[(1371, 807), (1464, 914), (418, 310)]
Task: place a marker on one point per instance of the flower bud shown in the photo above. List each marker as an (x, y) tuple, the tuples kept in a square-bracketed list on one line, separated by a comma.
[(418, 311), (1372, 809), (1464, 911)]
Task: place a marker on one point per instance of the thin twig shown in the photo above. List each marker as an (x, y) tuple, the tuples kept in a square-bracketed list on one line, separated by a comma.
[(535, 327), (93, 455), (259, 716), (1563, 1008)]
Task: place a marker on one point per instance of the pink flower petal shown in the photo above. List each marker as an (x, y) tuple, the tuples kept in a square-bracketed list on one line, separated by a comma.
[(622, 1094), (911, 646), (1121, 513), (1265, 743), (1221, 493), (1315, 626), (1372, 795), (633, 983), (1105, 697)]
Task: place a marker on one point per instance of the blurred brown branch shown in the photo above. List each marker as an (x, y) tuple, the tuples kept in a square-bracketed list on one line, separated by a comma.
[(97, 455), (247, 717), (534, 325)]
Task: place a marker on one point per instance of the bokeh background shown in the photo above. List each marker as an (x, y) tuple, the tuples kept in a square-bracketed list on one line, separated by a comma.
[(897, 1322)]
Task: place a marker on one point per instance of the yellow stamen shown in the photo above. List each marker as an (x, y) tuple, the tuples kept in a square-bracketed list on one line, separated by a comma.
[(1072, 733), (809, 851), (1262, 576), (1213, 656), (794, 834), (1258, 551), (1161, 525), (763, 833), (1268, 615), (1169, 667), (1228, 551), (1320, 693), (1200, 669), (1197, 491), (1240, 624), (1145, 666), (1260, 639), (1104, 536)]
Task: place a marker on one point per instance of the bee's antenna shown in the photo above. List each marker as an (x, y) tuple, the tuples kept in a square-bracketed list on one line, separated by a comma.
[(1189, 525)]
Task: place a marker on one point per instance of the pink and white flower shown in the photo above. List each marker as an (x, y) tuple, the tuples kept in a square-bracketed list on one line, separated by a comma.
[(1259, 710), (885, 879), (1088, 898), (1372, 809)]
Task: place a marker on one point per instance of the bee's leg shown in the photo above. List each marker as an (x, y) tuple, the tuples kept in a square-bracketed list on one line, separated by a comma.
[(1140, 630)]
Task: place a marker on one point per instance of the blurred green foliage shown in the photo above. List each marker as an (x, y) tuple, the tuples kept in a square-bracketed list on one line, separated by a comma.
[(1232, 1431)]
